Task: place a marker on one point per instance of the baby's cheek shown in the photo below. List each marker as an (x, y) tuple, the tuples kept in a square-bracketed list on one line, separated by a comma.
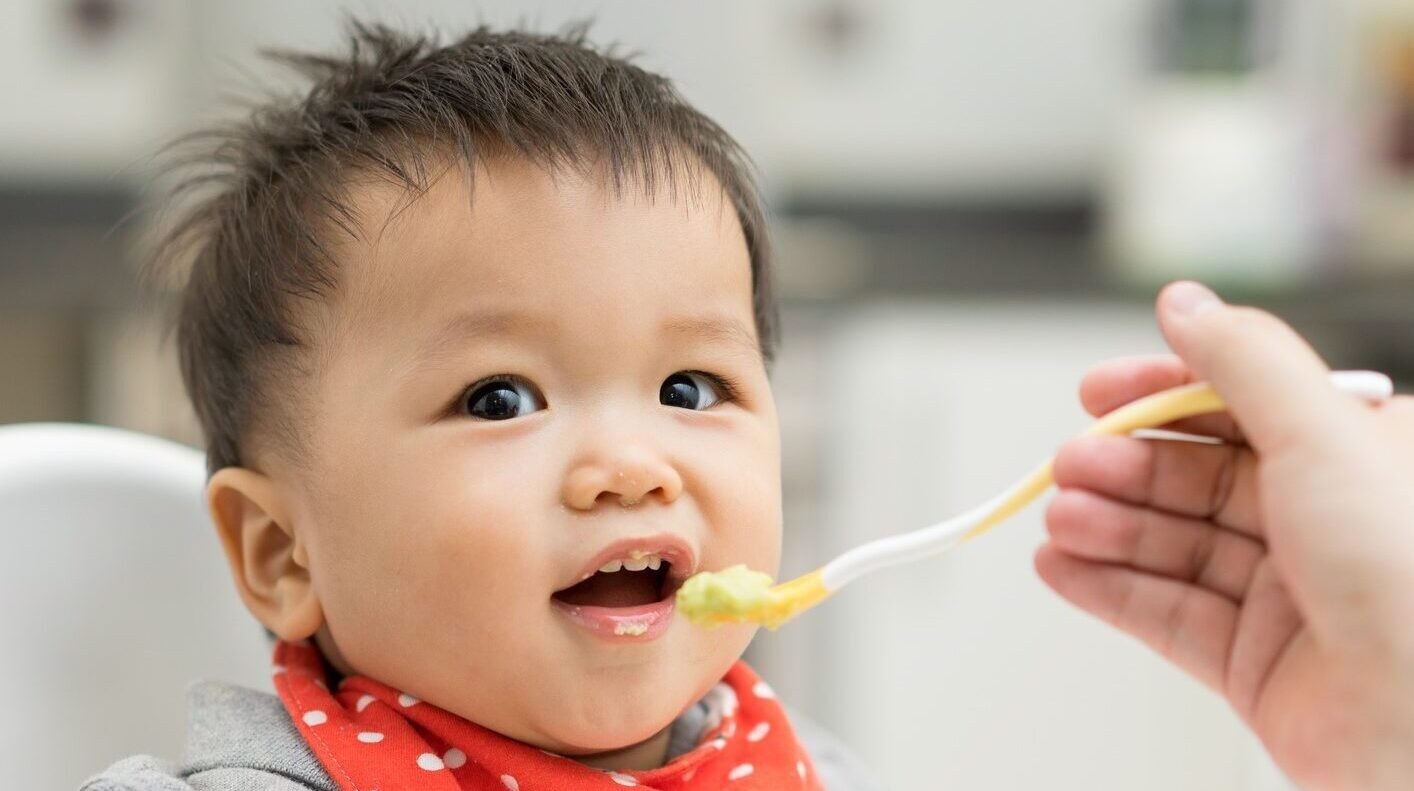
[(747, 521), (743, 520), (419, 547)]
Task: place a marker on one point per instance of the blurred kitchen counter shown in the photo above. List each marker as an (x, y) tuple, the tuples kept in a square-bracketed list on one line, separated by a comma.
[(1358, 315)]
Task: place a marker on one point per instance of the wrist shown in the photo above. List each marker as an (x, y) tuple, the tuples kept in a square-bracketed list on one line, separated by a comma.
[(1390, 712)]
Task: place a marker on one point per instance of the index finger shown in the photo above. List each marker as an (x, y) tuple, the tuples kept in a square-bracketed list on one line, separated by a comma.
[(1113, 383)]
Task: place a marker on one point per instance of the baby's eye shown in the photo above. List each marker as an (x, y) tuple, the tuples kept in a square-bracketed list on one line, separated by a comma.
[(689, 390), (501, 398)]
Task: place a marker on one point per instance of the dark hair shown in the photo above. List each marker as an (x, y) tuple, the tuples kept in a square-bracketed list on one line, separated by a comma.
[(266, 193)]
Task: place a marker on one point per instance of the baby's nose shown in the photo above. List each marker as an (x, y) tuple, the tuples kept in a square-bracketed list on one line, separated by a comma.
[(627, 479)]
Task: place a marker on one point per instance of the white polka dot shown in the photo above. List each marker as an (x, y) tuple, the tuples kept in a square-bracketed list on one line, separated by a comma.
[(277, 670), (370, 737), (800, 769), (729, 702), (623, 780), (429, 762), (320, 683), (510, 782), (719, 743), (763, 690), (315, 717), (730, 730), (744, 770), (691, 773), (363, 702), (454, 758), (405, 700), (759, 732)]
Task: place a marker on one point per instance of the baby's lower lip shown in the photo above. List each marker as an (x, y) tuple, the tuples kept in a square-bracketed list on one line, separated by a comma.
[(621, 624)]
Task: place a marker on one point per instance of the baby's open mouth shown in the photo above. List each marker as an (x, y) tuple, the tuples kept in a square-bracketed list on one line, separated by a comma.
[(631, 582), (625, 593)]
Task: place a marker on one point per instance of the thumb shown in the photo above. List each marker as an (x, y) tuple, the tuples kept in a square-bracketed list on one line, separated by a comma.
[(1275, 385)]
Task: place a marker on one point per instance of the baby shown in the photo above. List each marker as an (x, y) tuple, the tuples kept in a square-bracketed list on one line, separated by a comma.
[(478, 335)]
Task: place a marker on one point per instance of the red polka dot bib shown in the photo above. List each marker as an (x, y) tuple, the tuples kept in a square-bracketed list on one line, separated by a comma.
[(371, 737)]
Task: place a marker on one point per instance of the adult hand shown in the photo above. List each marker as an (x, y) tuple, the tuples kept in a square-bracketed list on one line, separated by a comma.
[(1278, 567)]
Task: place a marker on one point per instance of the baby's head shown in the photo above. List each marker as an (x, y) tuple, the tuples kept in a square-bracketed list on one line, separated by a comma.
[(467, 327)]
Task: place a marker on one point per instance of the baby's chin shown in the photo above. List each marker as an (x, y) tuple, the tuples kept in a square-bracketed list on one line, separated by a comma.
[(600, 723), (615, 713), (581, 736)]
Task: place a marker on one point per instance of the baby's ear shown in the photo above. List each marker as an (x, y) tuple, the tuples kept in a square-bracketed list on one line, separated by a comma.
[(268, 559)]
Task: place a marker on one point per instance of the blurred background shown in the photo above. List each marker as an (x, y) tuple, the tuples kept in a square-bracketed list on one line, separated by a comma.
[(973, 201)]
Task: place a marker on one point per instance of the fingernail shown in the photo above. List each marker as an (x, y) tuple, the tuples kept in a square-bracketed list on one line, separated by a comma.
[(1186, 298)]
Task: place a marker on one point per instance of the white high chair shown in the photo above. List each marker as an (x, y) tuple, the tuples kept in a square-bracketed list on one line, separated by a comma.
[(114, 597)]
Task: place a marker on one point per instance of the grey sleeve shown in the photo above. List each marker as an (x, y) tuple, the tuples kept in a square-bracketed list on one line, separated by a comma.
[(840, 769), (138, 773), (145, 773)]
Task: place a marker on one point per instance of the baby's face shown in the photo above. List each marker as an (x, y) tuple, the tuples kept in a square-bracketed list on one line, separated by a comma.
[(524, 391)]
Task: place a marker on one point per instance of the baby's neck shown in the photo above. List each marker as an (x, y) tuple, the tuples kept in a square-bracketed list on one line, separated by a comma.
[(648, 754)]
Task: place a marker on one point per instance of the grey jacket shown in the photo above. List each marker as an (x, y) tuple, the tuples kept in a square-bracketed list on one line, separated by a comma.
[(240, 739)]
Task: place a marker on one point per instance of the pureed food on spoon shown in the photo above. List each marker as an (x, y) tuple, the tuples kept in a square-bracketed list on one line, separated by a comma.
[(733, 594)]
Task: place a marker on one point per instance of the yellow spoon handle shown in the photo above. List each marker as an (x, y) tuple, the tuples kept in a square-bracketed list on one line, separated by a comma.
[(1155, 410), (1151, 411)]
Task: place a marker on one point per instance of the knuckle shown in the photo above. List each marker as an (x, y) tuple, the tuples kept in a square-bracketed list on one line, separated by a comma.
[(1401, 405)]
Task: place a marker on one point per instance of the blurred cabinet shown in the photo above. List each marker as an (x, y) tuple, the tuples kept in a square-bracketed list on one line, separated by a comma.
[(91, 87), (904, 98)]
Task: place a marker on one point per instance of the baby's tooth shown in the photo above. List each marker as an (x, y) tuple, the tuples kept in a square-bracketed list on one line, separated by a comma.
[(636, 565), (611, 566), (655, 562)]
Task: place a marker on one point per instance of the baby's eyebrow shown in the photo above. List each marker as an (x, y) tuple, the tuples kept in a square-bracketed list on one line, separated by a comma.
[(454, 335), (719, 329)]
